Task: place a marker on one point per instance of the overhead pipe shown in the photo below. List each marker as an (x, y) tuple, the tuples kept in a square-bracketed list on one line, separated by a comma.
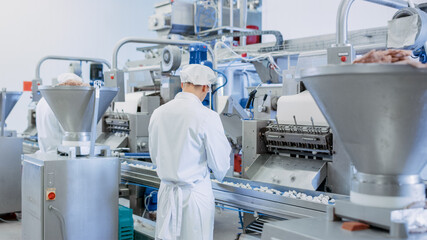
[(68, 58), (127, 40), (344, 8)]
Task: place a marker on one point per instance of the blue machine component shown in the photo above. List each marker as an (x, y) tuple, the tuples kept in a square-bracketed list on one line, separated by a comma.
[(144, 155), (243, 102), (150, 197), (199, 54), (205, 101), (421, 54)]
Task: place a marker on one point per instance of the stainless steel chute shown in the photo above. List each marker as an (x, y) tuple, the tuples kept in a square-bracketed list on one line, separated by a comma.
[(11, 99), (73, 107), (379, 113)]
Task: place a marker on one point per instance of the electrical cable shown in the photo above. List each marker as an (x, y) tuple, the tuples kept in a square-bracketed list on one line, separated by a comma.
[(61, 220), (147, 202), (267, 56), (225, 83)]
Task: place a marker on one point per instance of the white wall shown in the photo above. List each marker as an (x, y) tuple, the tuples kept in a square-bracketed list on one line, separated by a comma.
[(303, 18), (32, 29)]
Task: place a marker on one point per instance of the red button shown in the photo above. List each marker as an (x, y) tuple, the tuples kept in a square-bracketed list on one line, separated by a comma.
[(244, 55), (112, 76), (51, 196), (343, 58)]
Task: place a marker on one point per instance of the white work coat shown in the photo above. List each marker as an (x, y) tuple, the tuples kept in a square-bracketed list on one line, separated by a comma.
[(186, 139), (49, 131)]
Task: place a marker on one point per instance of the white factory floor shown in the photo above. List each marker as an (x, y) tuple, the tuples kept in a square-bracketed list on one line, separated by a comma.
[(226, 227)]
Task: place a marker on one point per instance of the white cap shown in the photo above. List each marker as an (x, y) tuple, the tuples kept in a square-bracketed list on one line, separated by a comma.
[(68, 76), (198, 75)]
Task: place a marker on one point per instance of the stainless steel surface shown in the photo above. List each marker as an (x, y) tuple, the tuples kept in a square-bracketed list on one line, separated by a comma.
[(94, 119), (360, 39), (342, 16), (86, 197), (321, 229), (3, 111), (243, 7), (302, 140), (339, 170), (231, 11), (379, 217), (378, 112), (74, 151), (11, 99), (272, 91), (252, 144), (73, 106), (68, 58), (115, 77), (171, 85), (342, 51), (271, 204), (10, 174), (288, 171), (126, 130), (220, 6)]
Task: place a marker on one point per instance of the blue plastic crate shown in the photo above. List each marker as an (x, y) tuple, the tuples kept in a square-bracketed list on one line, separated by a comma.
[(125, 223)]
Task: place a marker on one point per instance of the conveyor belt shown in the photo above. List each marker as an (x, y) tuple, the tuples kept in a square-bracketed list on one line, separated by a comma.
[(248, 199)]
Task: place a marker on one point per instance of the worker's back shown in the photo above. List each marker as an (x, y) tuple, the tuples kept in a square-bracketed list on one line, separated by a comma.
[(186, 138), (49, 131)]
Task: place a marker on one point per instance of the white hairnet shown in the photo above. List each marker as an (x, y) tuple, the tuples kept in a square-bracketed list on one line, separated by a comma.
[(68, 76), (198, 75)]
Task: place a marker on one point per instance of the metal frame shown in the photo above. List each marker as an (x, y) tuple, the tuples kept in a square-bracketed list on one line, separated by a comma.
[(266, 203)]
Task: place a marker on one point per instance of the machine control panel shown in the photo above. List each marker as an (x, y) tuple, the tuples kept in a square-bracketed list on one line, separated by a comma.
[(341, 55)]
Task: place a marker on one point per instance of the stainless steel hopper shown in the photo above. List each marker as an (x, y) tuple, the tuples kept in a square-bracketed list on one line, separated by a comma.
[(379, 113), (7, 102), (73, 107), (11, 99)]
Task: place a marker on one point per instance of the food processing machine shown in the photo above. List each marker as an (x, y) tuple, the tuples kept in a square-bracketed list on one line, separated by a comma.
[(289, 142), (126, 128), (11, 149), (72, 194), (381, 130), (387, 156), (30, 144)]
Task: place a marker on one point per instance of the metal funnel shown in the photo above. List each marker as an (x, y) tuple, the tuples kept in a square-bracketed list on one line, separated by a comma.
[(379, 113), (11, 99), (73, 107)]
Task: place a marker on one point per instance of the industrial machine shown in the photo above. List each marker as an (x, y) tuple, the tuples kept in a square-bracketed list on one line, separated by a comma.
[(72, 194), (203, 17), (387, 158), (126, 129), (30, 144), (10, 161), (305, 160), (367, 115)]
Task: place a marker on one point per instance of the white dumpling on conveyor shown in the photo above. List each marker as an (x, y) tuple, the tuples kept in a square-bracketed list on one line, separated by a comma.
[(303, 107)]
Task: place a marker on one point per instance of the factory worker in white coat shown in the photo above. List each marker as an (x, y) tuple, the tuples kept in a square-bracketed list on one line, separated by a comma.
[(49, 131), (186, 139)]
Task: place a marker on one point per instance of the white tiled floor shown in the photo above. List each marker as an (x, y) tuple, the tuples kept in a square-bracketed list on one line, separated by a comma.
[(10, 231)]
